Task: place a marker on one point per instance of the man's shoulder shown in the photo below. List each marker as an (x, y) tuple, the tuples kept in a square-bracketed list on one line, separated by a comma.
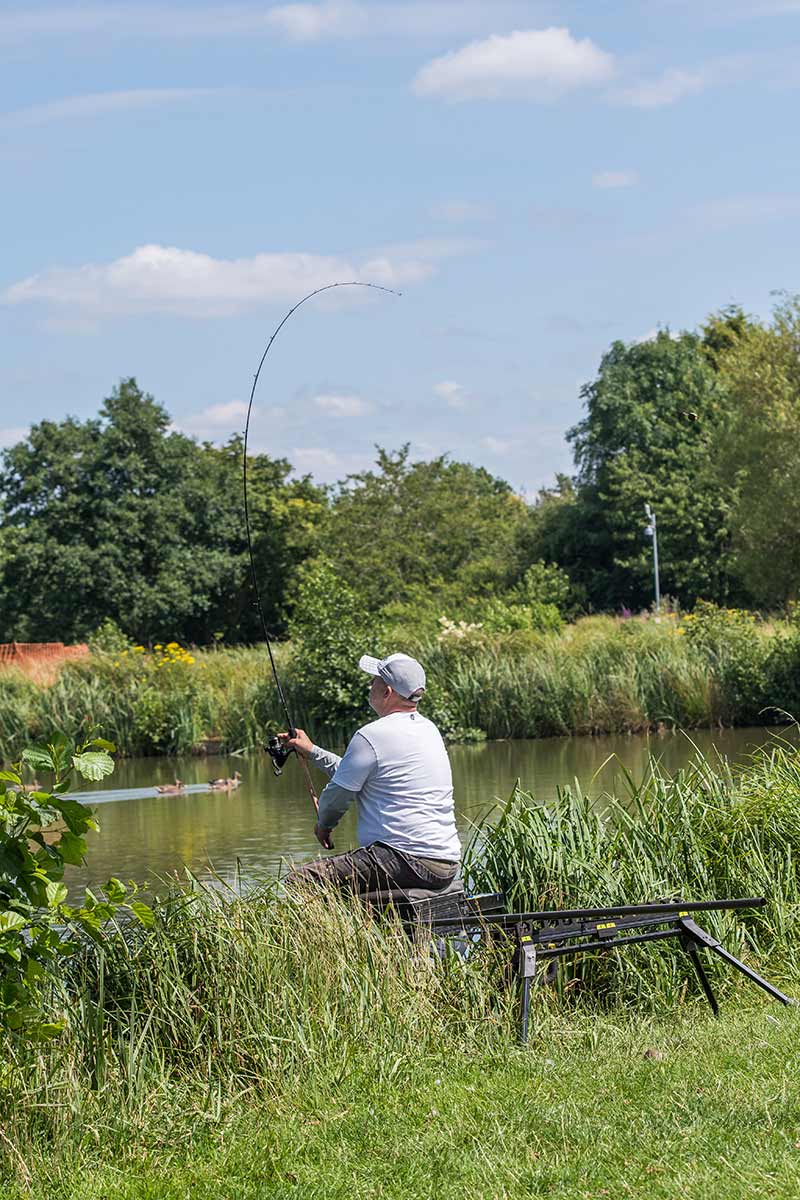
[(390, 727)]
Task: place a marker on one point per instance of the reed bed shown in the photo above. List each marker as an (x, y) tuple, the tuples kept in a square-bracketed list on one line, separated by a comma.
[(707, 832), (600, 675)]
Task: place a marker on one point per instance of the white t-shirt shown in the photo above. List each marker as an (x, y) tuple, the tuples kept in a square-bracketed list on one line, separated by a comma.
[(399, 770)]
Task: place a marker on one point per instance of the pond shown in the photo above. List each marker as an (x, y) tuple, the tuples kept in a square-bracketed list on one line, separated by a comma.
[(268, 821)]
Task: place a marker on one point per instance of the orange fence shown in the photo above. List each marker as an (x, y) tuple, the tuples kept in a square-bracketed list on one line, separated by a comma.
[(31, 654)]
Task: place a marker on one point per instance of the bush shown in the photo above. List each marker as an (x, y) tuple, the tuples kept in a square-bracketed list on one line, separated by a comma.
[(42, 830), (330, 631)]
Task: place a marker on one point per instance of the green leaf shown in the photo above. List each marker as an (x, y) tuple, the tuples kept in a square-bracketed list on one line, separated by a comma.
[(56, 894), (39, 758), (77, 816), (102, 744), (143, 913), (72, 848), (11, 920), (47, 1030), (94, 764), (11, 776), (115, 890)]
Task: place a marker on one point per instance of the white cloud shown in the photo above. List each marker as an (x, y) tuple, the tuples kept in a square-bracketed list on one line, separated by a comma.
[(496, 445), (451, 392), (338, 405), (98, 103), (316, 460), (671, 86), (166, 279), (614, 179), (215, 422), (10, 436), (534, 64)]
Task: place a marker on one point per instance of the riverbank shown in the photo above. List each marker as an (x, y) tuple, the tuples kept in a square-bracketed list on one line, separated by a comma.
[(252, 1046), (600, 675)]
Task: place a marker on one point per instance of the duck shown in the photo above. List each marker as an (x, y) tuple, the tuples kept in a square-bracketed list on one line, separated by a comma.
[(225, 785), (169, 789)]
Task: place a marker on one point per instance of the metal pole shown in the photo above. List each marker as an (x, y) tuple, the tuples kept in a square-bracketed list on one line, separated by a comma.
[(652, 531)]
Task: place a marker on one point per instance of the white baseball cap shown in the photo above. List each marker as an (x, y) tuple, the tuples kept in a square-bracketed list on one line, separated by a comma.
[(402, 673)]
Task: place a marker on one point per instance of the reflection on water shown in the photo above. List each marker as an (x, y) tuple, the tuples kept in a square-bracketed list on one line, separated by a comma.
[(269, 821)]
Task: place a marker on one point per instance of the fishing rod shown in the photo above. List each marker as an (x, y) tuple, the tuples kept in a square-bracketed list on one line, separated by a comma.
[(276, 749)]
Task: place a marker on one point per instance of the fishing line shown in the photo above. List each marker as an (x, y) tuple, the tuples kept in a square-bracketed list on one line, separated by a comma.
[(275, 749)]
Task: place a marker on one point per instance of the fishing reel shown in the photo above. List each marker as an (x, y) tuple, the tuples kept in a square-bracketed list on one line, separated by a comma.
[(279, 753)]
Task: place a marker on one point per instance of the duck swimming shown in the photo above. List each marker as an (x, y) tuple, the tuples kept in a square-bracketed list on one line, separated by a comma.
[(170, 789), (225, 785)]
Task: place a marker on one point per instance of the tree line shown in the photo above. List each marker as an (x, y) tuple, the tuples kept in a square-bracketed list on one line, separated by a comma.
[(121, 517)]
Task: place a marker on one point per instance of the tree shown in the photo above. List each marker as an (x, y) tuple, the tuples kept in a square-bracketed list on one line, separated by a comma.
[(654, 413), (121, 517), (760, 452), (443, 526)]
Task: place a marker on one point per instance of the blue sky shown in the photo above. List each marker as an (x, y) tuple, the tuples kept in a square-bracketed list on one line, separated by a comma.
[(537, 179)]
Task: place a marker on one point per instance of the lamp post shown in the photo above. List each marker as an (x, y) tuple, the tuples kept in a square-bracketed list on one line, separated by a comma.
[(651, 530)]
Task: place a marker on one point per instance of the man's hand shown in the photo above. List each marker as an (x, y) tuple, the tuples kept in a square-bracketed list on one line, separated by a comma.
[(323, 836), (301, 742)]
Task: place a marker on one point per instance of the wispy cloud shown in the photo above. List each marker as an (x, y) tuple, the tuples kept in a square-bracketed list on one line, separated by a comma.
[(99, 103), (615, 179), (730, 212), (451, 392), (672, 85), (337, 404), (13, 434), (533, 64), (458, 211), (294, 22), (216, 422), (496, 445), (166, 279), (676, 83)]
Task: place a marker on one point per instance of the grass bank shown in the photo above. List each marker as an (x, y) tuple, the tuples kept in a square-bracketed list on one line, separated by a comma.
[(258, 1046), (600, 675)]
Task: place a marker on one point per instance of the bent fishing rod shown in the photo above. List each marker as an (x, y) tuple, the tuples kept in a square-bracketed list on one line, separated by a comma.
[(276, 749)]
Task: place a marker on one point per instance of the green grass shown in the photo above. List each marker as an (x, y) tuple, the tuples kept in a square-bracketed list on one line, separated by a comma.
[(581, 1113), (261, 1045)]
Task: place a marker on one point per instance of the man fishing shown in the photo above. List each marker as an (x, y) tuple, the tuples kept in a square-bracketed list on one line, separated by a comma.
[(397, 772)]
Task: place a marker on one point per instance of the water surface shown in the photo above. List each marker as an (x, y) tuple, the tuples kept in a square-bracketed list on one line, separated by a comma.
[(268, 822)]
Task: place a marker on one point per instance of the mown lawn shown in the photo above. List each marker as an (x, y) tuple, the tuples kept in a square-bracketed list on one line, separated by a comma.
[(691, 1108)]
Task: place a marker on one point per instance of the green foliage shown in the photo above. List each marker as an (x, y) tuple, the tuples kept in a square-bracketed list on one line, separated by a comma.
[(108, 638), (330, 631), (120, 518), (760, 450), (649, 436), (41, 830), (445, 526)]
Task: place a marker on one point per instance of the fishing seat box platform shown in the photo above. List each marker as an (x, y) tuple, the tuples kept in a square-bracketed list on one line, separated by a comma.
[(424, 905)]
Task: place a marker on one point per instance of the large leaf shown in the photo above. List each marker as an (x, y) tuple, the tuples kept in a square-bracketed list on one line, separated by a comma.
[(72, 848), (39, 758), (94, 764), (77, 816), (56, 894), (11, 776), (11, 920)]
